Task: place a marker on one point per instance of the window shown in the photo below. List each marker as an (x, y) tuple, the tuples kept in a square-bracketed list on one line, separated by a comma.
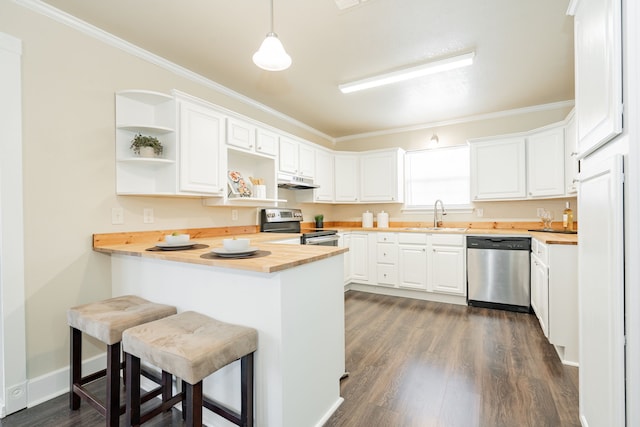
[(441, 173)]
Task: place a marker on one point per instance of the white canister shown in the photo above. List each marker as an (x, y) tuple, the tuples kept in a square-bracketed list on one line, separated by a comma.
[(367, 220), (260, 191), (383, 220)]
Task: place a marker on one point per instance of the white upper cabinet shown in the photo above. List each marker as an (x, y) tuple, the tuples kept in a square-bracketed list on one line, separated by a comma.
[(382, 176), (266, 142), (201, 134), (241, 134), (545, 163), (598, 65), (324, 177), (571, 167), (249, 137), (296, 158), (540, 163), (498, 168), (346, 178)]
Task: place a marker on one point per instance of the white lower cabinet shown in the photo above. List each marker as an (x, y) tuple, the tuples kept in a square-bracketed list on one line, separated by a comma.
[(360, 258), (447, 272), (407, 262), (540, 292), (386, 259), (412, 261), (345, 242), (554, 295)]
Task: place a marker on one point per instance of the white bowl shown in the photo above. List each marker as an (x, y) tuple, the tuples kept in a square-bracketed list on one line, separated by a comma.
[(236, 244), (175, 239)]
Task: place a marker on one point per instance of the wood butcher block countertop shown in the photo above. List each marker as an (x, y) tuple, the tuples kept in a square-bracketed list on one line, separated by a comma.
[(280, 257), (472, 229)]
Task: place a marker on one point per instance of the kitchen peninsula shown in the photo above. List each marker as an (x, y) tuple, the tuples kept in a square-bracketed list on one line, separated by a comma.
[(293, 296)]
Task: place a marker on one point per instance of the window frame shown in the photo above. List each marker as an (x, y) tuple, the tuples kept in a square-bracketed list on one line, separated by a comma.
[(459, 208)]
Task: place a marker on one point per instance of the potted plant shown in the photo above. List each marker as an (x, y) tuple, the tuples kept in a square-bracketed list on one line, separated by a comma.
[(146, 146), (319, 220)]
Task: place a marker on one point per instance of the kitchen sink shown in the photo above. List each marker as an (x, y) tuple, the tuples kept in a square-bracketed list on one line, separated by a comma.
[(435, 229)]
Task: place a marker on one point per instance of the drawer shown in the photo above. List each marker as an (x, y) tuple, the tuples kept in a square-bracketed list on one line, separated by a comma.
[(387, 274), (387, 237), (541, 250), (448, 239), (387, 253), (412, 238)]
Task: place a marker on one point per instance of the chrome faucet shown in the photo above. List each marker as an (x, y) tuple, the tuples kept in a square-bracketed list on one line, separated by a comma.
[(437, 223)]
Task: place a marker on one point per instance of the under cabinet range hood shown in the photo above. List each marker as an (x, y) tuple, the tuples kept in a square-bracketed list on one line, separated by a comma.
[(293, 182)]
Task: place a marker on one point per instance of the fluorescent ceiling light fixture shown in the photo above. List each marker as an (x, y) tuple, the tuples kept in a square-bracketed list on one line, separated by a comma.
[(271, 56), (432, 67)]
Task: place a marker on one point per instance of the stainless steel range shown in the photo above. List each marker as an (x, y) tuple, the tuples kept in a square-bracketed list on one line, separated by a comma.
[(286, 220)]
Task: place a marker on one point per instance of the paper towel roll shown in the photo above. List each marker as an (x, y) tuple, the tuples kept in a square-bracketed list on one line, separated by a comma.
[(383, 220), (367, 220)]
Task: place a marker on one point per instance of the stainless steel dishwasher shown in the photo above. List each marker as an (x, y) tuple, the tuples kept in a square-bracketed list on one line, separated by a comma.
[(499, 272)]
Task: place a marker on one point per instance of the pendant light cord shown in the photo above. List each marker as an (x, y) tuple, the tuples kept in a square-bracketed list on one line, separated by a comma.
[(271, 16)]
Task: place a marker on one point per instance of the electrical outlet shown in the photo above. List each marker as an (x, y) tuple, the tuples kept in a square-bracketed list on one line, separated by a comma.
[(117, 216), (148, 216), (539, 212), (234, 214), (479, 212)]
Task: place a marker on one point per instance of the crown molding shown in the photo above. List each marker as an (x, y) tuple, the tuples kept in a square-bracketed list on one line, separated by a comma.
[(467, 119), (114, 41)]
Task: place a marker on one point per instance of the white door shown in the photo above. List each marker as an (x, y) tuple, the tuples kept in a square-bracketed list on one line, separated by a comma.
[(288, 155), (545, 163), (447, 270), (412, 266), (598, 57), (498, 169), (346, 178), (359, 247), (201, 136), (13, 359), (379, 177), (601, 295)]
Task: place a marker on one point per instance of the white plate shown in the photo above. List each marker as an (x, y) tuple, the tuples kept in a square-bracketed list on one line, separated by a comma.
[(163, 245), (229, 253)]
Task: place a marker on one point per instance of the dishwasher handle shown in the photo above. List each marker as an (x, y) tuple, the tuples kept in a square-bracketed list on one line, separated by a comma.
[(499, 243)]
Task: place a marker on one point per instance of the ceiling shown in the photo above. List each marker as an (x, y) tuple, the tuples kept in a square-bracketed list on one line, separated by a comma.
[(523, 53)]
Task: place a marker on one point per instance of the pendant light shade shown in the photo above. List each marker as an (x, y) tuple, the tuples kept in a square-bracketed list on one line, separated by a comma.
[(271, 56)]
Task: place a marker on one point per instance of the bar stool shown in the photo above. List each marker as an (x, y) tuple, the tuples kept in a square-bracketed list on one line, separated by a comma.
[(106, 320), (190, 346)]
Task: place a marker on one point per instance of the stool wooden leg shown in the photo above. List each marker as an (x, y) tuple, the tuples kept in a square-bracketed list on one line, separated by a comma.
[(113, 385), (167, 389), (246, 378), (184, 399), (194, 405), (133, 390), (76, 366)]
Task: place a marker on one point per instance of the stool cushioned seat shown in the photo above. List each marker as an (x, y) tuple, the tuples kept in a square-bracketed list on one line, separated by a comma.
[(106, 320), (190, 345)]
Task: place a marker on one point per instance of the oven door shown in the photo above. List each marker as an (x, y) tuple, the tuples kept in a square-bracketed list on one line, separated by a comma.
[(331, 240)]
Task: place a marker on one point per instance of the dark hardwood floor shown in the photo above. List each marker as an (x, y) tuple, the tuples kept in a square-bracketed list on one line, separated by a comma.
[(419, 363)]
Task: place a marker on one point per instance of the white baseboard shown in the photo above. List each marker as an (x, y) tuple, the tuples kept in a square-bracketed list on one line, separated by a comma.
[(56, 383), (330, 412)]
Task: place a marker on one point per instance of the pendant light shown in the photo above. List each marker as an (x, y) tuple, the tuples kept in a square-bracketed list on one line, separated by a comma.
[(271, 56)]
